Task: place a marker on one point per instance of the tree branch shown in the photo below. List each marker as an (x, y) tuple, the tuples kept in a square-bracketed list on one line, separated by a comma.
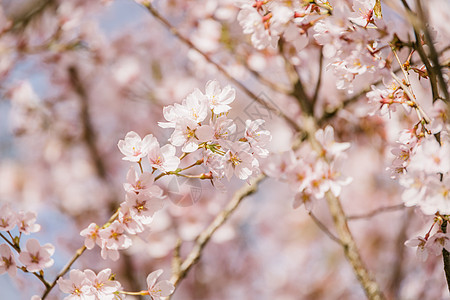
[(192, 258), (446, 256), (376, 212)]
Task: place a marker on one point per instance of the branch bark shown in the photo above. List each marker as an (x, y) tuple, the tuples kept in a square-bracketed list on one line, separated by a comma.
[(204, 237)]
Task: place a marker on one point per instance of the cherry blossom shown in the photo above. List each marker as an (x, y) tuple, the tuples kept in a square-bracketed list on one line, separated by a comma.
[(8, 218), (113, 237), (91, 236), (26, 222), (7, 261), (143, 206), (331, 148), (78, 286), (240, 162), (258, 139), (134, 148), (420, 243), (36, 257), (143, 183), (437, 242), (161, 289), (163, 158), (101, 286), (219, 99)]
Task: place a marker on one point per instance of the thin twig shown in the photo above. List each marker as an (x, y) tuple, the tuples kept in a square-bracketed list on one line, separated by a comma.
[(204, 237), (376, 212), (77, 255), (325, 229), (319, 78), (236, 82)]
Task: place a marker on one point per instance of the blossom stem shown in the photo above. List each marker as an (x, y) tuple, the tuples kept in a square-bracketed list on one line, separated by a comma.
[(10, 243), (140, 166), (141, 293)]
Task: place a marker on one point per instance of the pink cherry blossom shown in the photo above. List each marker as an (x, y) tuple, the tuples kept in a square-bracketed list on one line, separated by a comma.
[(143, 183), (219, 99), (437, 242), (26, 222), (258, 139), (134, 148), (364, 14), (8, 218), (7, 261), (161, 289), (163, 158), (101, 286), (78, 286), (36, 257), (240, 162), (114, 238), (127, 219), (420, 243), (330, 147), (91, 236), (143, 206)]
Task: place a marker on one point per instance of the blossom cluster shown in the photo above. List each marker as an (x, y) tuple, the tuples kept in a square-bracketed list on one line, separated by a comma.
[(222, 153), (310, 174), (34, 257), (102, 286), (352, 38), (433, 244)]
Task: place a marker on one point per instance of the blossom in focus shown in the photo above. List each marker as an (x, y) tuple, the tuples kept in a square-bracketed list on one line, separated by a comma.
[(163, 158), (156, 290), (36, 257), (77, 286), (134, 148), (101, 286), (91, 236), (219, 99)]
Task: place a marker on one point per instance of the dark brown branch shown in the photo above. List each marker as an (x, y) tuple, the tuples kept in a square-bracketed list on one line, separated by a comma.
[(446, 256)]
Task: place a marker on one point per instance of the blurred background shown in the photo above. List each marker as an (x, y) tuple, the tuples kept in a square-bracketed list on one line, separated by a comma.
[(59, 155)]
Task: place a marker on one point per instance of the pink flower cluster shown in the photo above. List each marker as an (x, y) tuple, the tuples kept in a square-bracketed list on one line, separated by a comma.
[(142, 200), (267, 22), (87, 285), (223, 156), (311, 174), (430, 245), (34, 257)]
